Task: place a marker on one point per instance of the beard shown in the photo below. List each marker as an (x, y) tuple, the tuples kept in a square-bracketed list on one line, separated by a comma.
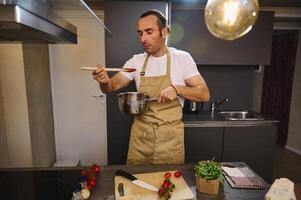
[(147, 49), (152, 48)]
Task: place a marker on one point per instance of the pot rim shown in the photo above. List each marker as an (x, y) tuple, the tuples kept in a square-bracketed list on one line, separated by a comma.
[(120, 95)]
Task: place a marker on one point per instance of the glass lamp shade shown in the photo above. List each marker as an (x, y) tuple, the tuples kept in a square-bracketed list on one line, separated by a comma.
[(230, 19)]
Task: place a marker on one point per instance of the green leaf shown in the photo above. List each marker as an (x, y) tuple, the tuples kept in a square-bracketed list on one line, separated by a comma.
[(208, 169)]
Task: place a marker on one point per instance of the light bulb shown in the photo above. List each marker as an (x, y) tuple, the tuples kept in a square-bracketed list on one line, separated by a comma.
[(230, 19)]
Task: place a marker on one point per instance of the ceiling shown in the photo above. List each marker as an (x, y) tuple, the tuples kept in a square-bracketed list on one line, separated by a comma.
[(280, 3), (272, 3), (287, 12), (99, 4)]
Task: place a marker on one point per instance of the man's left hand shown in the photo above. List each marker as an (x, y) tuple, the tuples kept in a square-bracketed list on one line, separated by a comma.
[(167, 95)]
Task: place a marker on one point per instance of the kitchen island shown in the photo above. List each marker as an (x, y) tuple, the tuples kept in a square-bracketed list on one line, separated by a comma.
[(105, 183), (57, 183)]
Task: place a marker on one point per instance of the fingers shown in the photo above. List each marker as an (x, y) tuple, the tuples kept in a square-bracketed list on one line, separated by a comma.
[(100, 75), (101, 78), (99, 69), (167, 95)]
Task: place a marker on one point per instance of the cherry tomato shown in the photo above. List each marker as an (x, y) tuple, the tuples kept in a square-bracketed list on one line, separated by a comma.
[(167, 175), (89, 187), (161, 192), (96, 168), (177, 173), (91, 182), (93, 178), (166, 183)]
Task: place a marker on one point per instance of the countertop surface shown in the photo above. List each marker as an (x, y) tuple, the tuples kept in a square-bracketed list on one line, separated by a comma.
[(38, 183), (212, 119), (57, 183), (105, 183)]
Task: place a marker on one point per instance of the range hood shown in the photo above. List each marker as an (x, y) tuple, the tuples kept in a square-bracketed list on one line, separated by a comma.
[(35, 21)]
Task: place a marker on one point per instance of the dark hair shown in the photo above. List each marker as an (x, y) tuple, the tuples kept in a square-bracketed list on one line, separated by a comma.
[(161, 20)]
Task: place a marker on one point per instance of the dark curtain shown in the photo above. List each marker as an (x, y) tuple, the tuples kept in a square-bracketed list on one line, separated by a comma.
[(278, 81)]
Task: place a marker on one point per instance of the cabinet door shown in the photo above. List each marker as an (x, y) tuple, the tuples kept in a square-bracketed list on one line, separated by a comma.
[(189, 33), (203, 144), (252, 145)]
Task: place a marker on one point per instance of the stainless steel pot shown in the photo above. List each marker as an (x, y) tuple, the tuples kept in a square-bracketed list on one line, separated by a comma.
[(133, 103), (192, 107)]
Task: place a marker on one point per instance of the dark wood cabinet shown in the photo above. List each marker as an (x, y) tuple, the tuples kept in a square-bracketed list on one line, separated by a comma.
[(252, 145), (189, 33), (203, 143)]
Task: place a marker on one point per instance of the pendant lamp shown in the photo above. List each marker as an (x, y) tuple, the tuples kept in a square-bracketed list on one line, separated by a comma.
[(230, 19)]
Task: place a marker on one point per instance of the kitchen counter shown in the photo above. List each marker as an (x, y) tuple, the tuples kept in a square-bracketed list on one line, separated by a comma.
[(209, 135), (209, 119), (57, 183), (38, 183), (105, 183)]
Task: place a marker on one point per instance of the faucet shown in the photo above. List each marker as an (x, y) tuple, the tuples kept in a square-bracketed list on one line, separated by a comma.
[(215, 104)]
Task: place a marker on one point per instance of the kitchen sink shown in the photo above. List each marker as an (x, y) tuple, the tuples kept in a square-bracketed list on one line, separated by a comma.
[(240, 115)]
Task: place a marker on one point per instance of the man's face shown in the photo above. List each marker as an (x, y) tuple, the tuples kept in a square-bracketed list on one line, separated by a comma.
[(150, 36)]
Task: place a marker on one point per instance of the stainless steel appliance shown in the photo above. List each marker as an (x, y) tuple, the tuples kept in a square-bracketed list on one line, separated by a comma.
[(134, 103), (192, 107), (36, 21), (33, 21)]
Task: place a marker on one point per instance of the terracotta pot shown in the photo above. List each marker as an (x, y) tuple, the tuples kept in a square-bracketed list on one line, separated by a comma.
[(207, 186)]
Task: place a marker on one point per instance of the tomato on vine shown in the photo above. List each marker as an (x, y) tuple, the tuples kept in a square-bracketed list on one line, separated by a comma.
[(177, 173), (167, 175)]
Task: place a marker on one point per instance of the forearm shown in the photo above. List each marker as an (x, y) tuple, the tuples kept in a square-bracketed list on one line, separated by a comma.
[(106, 87), (198, 93), (117, 82)]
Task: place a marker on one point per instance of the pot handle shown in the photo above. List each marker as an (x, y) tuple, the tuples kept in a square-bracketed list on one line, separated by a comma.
[(152, 99)]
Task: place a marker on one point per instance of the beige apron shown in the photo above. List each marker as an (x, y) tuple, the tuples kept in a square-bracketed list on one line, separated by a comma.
[(157, 136)]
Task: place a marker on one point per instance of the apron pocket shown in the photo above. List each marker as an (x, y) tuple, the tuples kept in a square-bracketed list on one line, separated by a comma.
[(170, 143)]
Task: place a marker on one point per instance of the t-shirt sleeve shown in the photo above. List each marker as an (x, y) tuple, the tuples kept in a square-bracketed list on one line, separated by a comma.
[(190, 69), (129, 64)]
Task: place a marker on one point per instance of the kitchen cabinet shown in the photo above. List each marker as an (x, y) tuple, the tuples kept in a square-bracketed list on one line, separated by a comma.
[(252, 145), (189, 33), (203, 143)]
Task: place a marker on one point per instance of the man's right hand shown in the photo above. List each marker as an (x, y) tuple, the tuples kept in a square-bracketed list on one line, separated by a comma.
[(100, 75)]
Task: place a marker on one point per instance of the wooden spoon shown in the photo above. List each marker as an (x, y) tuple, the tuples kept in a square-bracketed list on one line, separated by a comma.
[(109, 69)]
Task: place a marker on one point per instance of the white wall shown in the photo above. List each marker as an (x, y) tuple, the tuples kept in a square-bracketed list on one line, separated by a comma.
[(15, 108), (80, 119), (294, 130)]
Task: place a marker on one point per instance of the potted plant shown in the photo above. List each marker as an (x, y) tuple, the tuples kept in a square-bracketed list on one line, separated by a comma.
[(208, 175)]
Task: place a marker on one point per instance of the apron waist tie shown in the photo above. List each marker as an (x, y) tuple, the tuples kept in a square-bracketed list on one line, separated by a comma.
[(158, 123)]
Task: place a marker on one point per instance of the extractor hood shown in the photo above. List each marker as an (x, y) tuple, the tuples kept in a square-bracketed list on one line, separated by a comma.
[(35, 21)]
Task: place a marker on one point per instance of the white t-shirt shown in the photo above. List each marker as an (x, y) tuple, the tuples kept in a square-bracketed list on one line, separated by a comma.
[(182, 67)]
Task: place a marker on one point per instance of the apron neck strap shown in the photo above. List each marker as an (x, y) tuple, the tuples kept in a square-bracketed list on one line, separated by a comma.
[(142, 73)]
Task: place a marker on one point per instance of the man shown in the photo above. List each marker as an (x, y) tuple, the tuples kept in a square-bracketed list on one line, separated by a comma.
[(157, 136)]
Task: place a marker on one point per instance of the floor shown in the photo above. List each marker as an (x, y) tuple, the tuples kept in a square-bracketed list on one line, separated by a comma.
[(287, 164)]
